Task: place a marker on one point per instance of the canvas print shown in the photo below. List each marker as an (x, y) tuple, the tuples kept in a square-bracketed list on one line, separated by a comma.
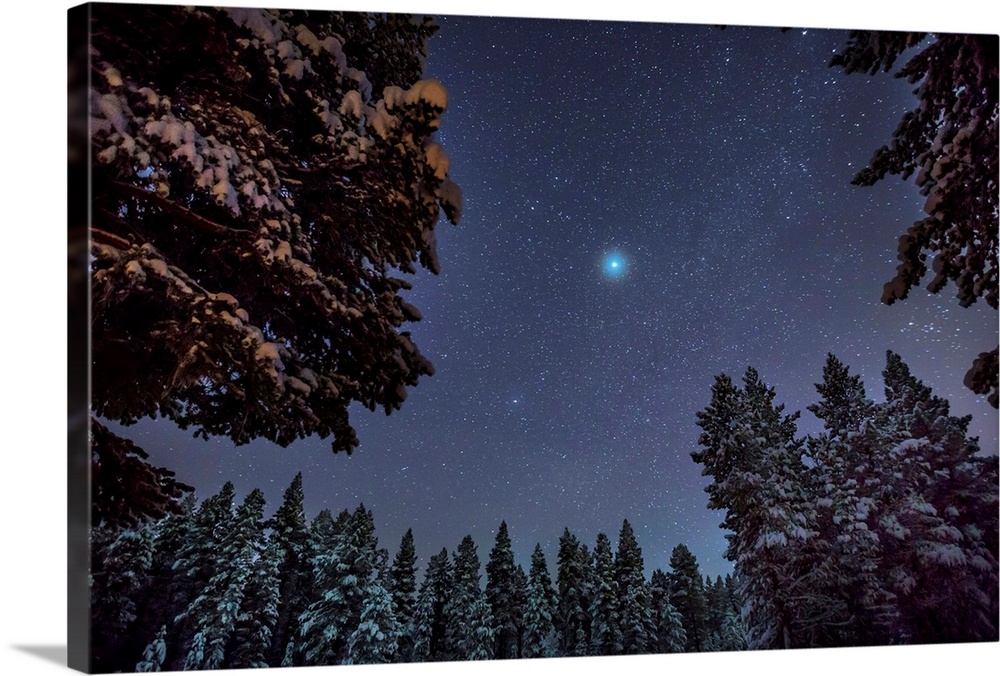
[(406, 338)]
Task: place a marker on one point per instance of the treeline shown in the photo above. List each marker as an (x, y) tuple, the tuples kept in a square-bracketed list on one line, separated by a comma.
[(882, 529), (219, 586)]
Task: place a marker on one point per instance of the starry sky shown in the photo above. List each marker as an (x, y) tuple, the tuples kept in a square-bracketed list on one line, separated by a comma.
[(645, 206)]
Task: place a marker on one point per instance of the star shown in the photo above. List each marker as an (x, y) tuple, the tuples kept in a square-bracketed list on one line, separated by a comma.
[(614, 265)]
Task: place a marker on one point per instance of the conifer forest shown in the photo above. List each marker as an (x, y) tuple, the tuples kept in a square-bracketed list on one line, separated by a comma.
[(731, 387)]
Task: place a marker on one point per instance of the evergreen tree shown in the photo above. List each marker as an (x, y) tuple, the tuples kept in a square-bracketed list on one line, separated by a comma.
[(423, 619), (687, 595), (540, 639), (154, 655), (845, 480), (637, 623), (193, 565), (714, 594), (430, 636), (606, 638), (750, 450), (501, 594), (291, 535), (125, 489), (520, 607), (464, 593), (731, 593), (670, 636), (844, 407), (376, 638), (938, 529), (165, 596), (253, 634), (733, 635), (120, 576), (888, 534), (213, 613), (573, 613), (481, 639), (403, 588), (342, 576)]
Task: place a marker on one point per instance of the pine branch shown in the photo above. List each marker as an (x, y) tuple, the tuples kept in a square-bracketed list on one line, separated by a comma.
[(175, 209), (105, 237)]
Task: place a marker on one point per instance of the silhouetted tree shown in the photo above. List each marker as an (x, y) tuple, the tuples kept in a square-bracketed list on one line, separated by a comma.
[(606, 633), (540, 639), (403, 587), (502, 595)]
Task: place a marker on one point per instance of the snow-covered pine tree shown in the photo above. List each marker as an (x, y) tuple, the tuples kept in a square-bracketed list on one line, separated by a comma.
[(342, 575), (248, 161), (120, 576), (420, 629), (670, 634), (637, 622), (214, 611), (844, 406), (193, 565), (733, 635), (323, 535), (939, 517), (844, 480), (376, 638), (430, 636), (949, 141), (588, 588), (291, 535), (731, 587), (540, 638), (520, 605), (154, 655), (715, 606), (253, 633), (165, 597), (501, 594), (194, 658), (464, 593), (572, 574), (403, 588), (887, 534), (686, 593), (606, 635), (750, 450), (324, 532), (481, 636)]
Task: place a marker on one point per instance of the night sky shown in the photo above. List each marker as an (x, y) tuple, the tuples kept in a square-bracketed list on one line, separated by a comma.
[(645, 206)]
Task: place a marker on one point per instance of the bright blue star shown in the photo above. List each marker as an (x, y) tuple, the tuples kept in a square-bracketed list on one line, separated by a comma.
[(614, 265)]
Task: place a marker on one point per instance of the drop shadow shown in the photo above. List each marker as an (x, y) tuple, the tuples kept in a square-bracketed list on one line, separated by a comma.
[(56, 654)]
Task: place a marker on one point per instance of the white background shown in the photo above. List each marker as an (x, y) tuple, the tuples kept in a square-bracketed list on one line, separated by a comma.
[(33, 330)]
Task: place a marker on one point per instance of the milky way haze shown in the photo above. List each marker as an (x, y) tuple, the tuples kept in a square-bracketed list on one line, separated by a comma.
[(645, 206)]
